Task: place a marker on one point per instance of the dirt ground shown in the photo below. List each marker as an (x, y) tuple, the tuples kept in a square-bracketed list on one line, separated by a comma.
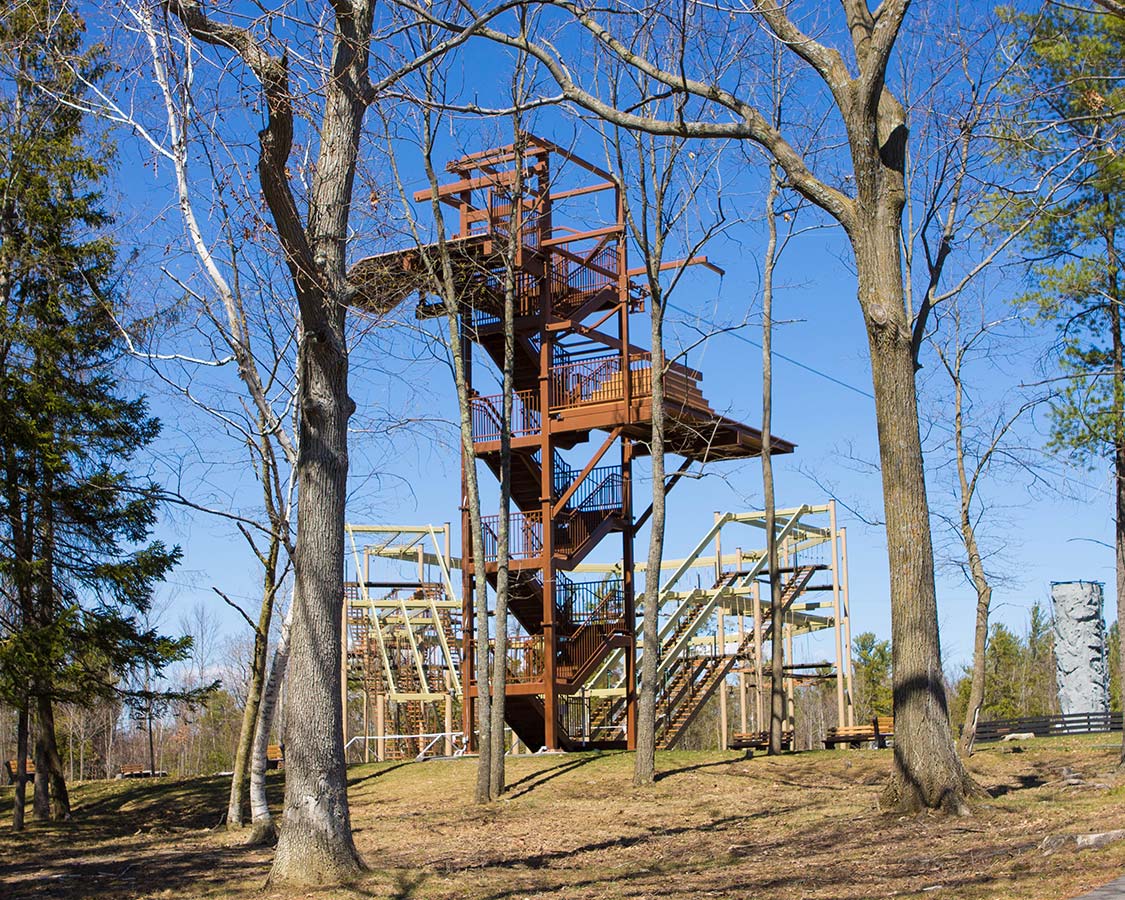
[(715, 825)]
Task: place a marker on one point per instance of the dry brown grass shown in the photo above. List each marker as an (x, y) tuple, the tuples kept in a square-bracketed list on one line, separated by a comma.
[(715, 825)]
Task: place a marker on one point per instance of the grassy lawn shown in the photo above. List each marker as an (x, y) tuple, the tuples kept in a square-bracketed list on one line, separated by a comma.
[(715, 825)]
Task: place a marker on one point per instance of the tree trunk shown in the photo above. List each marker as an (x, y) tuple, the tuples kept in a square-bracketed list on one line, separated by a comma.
[(474, 583), (149, 713), (1112, 277), (500, 659), (927, 772), (56, 780), (258, 662), (19, 801), (1119, 529), (264, 831), (644, 766), (462, 361), (316, 846), (461, 352), (41, 790), (976, 571), (976, 681), (777, 618)]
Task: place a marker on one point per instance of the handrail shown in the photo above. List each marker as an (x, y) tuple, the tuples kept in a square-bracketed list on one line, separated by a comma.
[(487, 415), (597, 379), (524, 658), (590, 600), (662, 591), (525, 535)]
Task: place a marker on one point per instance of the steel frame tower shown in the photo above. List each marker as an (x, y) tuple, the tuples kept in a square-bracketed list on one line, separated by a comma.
[(581, 415)]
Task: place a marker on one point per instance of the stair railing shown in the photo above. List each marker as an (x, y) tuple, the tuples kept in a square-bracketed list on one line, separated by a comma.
[(525, 535), (585, 381), (486, 414), (603, 616), (523, 660)]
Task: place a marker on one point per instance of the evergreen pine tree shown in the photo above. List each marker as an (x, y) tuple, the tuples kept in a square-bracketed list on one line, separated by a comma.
[(1068, 105), (77, 566), (873, 676)]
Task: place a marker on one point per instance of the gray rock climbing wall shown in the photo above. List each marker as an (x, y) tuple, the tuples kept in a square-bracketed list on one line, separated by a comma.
[(1080, 647)]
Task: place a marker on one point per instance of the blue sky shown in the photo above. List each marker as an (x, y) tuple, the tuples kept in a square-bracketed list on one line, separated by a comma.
[(822, 403)]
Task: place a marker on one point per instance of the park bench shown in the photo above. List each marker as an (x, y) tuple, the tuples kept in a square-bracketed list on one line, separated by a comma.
[(139, 772), (884, 728), (275, 756), (11, 765), (875, 732), (758, 740)]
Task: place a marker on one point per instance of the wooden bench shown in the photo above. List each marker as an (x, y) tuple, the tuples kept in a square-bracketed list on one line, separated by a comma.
[(758, 740), (852, 735), (876, 732), (139, 772), (884, 728), (275, 757), (12, 765)]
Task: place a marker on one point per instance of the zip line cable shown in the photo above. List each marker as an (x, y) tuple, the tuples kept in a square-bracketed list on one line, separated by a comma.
[(781, 356)]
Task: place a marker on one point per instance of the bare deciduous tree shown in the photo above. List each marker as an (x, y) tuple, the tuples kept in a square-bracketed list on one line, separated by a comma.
[(982, 441), (869, 208), (315, 846)]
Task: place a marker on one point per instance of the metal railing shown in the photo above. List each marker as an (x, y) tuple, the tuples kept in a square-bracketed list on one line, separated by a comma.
[(487, 297), (575, 282), (562, 474), (456, 738), (573, 530), (601, 489), (582, 602), (524, 658), (599, 380), (487, 415), (500, 218), (525, 535), (587, 646)]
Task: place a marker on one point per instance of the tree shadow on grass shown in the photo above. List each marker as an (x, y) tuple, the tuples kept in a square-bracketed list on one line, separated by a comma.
[(668, 773), (406, 886), (144, 869), (363, 779), (132, 838), (542, 776), (1026, 782)]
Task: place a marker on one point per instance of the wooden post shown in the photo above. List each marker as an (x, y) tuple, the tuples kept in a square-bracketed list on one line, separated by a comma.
[(790, 698), (344, 674), (837, 631), (380, 727), (448, 724), (758, 711), (366, 724), (741, 663), (847, 616), (723, 683), (718, 550)]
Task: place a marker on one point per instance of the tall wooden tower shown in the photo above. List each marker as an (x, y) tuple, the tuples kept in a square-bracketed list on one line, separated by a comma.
[(582, 413)]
